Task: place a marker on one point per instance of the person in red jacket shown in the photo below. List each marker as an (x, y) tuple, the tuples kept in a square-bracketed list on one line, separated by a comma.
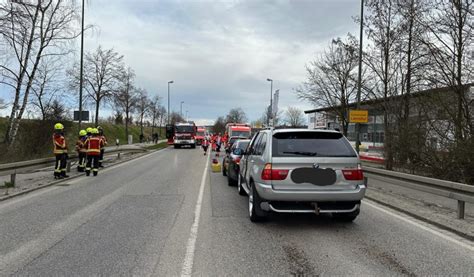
[(205, 145), (93, 146), (81, 150), (102, 150), (60, 151)]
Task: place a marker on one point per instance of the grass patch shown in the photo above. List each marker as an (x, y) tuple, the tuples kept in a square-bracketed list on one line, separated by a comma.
[(158, 146), (7, 184)]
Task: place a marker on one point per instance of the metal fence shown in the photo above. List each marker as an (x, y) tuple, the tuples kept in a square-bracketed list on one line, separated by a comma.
[(28, 166), (461, 192)]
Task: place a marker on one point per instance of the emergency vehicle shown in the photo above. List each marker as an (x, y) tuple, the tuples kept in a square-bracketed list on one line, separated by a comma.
[(242, 130), (200, 135), (181, 134)]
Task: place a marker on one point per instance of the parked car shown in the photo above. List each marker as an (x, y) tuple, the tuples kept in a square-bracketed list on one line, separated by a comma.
[(231, 141), (231, 162), (301, 171)]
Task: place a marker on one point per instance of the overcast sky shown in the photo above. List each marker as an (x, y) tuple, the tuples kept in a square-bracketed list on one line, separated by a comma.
[(219, 53)]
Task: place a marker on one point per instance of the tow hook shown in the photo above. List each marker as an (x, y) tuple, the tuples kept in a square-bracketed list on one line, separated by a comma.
[(315, 207)]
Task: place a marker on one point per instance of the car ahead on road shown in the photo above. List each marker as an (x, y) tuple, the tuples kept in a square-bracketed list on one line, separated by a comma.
[(301, 171), (231, 141), (231, 161)]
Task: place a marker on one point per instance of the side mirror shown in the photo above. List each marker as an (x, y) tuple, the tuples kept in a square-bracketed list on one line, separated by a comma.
[(238, 152)]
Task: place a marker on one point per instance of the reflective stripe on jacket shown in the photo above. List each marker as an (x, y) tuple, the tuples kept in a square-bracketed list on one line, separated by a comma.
[(93, 146), (81, 145), (59, 143)]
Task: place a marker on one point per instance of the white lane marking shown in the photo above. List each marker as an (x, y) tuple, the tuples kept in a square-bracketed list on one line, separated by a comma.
[(188, 262), (464, 243), (12, 261)]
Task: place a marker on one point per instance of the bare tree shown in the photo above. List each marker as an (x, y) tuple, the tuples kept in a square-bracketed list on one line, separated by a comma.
[(47, 86), (294, 117), (219, 125), (126, 97), (236, 115), (384, 29), (155, 111), (31, 31), (163, 115), (332, 79), (143, 106), (449, 40), (102, 70)]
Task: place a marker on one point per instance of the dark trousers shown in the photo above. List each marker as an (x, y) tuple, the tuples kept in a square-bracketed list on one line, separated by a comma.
[(101, 157), (60, 166), (92, 164), (82, 162)]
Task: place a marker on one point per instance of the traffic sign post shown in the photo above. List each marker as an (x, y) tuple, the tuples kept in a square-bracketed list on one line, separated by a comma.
[(358, 116)]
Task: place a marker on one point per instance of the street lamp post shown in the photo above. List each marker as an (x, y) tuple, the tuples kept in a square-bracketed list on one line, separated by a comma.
[(181, 110), (170, 82), (81, 71), (186, 116), (270, 114), (359, 80)]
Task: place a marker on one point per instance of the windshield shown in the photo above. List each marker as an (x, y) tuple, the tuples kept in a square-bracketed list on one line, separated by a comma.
[(313, 144), (184, 129), (244, 134), (201, 134)]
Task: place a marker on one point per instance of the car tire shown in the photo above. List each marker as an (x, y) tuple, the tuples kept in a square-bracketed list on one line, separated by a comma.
[(346, 217), (176, 146), (193, 146), (231, 182), (224, 172), (256, 214), (240, 189)]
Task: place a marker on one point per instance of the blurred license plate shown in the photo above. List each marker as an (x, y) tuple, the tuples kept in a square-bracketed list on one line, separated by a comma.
[(315, 176)]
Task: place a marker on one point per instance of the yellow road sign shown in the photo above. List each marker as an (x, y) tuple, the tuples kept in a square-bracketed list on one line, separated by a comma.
[(358, 116)]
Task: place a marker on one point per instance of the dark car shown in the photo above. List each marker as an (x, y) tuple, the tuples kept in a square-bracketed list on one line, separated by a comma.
[(231, 163)]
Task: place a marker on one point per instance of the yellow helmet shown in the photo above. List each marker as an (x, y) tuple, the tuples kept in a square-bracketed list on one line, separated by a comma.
[(94, 131), (89, 130), (58, 126), (82, 133)]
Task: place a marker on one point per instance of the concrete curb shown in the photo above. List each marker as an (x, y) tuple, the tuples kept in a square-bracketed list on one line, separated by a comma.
[(437, 224), (6, 197)]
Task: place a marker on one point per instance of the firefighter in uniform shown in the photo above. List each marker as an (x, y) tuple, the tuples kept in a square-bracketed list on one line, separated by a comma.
[(93, 146), (81, 150), (102, 150), (60, 151)]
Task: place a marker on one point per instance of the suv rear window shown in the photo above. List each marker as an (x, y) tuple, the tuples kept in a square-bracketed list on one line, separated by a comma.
[(311, 144)]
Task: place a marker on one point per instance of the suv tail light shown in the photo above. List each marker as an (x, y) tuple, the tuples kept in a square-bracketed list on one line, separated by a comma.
[(237, 160), (355, 174), (273, 174)]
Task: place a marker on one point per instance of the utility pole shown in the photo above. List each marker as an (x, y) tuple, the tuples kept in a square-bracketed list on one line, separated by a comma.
[(181, 110), (359, 80), (81, 77), (170, 82), (270, 112)]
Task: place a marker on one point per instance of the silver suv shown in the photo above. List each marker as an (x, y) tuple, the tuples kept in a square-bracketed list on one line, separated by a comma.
[(301, 171)]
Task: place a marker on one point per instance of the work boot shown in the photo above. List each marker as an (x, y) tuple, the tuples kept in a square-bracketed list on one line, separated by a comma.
[(95, 173), (88, 173)]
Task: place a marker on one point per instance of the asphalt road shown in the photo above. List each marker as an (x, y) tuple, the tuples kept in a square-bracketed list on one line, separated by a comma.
[(157, 215)]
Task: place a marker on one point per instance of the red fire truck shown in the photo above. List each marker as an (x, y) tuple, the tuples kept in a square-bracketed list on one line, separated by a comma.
[(181, 134), (200, 135)]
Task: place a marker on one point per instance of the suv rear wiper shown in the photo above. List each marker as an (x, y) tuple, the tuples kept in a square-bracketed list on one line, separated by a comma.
[(302, 153)]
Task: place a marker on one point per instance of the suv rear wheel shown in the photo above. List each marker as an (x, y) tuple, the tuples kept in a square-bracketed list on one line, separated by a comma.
[(256, 213)]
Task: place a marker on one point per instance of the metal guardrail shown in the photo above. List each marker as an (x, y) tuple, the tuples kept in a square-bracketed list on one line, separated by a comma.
[(461, 192), (28, 166)]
